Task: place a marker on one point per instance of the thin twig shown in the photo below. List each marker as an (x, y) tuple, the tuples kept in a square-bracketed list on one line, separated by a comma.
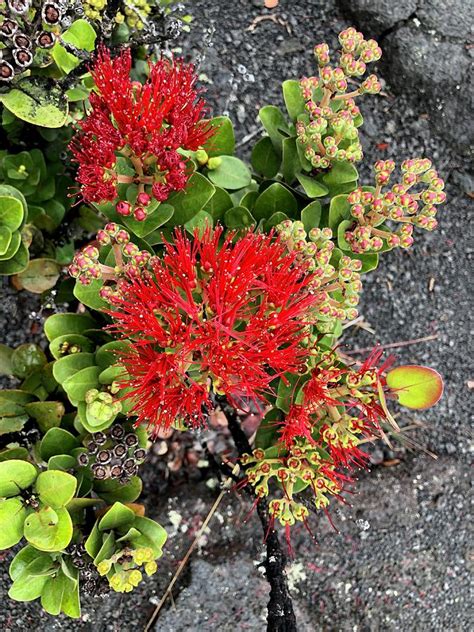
[(393, 345), (185, 559)]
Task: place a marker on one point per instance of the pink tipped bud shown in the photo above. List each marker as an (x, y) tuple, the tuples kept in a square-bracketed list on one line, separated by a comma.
[(103, 238), (74, 270), (111, 228), (122, 237), (91, 252), (85, 280), (139, 214), (124, 208), (143, 199)]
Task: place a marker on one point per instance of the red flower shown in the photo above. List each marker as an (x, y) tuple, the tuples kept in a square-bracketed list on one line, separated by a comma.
[(216, 318), (146, 124)]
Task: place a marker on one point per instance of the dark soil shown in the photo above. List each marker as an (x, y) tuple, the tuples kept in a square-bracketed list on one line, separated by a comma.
[(402, 559)]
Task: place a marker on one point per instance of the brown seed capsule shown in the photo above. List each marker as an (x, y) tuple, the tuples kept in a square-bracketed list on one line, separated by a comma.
[(83, 459), (120, 450), (99, 471), (20, 40), (116, 471), (8, 27), (22, 56), (129, 464), (6, 71), (19, 6), (139, 454), (103, 456), (100, 438), (45, 39), (92, 447), (131, 440), (117, 432), (51, 12)]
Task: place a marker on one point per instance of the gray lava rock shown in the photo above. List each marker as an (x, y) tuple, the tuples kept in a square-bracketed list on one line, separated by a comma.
[(425, 52)]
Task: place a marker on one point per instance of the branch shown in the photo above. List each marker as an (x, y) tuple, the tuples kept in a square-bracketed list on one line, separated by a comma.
[(281, 617)]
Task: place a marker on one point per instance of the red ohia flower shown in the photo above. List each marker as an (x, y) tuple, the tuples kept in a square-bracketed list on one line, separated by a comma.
[(225, 318), (146, 124)]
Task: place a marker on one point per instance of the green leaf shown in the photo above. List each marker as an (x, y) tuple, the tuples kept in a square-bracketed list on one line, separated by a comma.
[(76, 386), (88, 295), (57, 441), (81, 35), (12, 208), (312, 187), (5, 360), (153, 531), (274, 122), (39, 101), (117, 516), (290, 163), (417, 387), (71, 604), (232, 173), (156, 218), (267, 433), (111, 490), (275, 198), (295, 104), (27, 588), (55, 488), (199, 222), (109, 353), (311, 216), (26, 358), (339, 210), (107, 548), (288, 388), (239, 217), (61, 324), (18, 261), (264, 158), (12, 518), (223, 140), (23, 558), (219, 203), (16, 396), (5, 239), (275, 219), (53, 593), (70, 365), (49, 529), (40, 275), (94, 541), (341, 173), (189, 202), (16, 475)]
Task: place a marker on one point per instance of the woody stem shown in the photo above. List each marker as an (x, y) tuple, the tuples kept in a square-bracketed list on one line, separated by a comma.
[(281, 617)]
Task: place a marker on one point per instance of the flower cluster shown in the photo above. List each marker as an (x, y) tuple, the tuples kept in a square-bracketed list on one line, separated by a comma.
[(224, 318), (328, 131), (401, 204), (22, 36), (338, 407), (122, 568), (129, 260), (336, 278), (134, 133)]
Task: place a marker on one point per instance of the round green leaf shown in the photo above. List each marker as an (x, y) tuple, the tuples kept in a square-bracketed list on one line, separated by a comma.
[(57, 441), (22, 559), (84, 344), (61, 324), (111, 490), (12, 518), (311, 216), (55, 488), (5, 239), (117, 516), (46, 414), (16, 475), (238, 217), (76, 386), (416, 386), (27, 358), (17, 262), (70, 365), (12, 207), (223, 139), (153, 531), (341, 173), (274, 122), (275, 198), (219, 203), (189, 202), (49, 529), (295, 104), (264, 158), (312, 187), (232, 174)]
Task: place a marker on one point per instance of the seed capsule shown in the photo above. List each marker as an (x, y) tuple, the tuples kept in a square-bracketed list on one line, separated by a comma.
[(131, 440), (99, 471)]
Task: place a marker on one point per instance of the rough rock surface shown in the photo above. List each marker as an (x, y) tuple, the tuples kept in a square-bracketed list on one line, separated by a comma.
[(401, 561), (428, 51)]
